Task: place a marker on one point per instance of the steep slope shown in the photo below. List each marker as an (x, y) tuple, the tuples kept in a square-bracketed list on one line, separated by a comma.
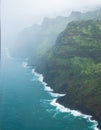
[(73, 66), (33, 42)]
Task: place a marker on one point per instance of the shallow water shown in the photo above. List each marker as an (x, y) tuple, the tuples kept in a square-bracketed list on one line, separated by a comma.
[(27, 104)]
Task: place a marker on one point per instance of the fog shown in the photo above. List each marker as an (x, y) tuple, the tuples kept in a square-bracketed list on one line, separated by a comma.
[(19, 14)]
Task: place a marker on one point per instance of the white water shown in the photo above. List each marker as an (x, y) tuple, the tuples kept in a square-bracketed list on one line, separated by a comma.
[(53, 105), (58, 106)]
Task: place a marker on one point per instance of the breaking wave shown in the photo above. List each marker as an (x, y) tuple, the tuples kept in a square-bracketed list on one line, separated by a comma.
[(58, 106)]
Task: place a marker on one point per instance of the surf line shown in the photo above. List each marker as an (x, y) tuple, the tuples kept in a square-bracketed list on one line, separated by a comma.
[(55, 96)]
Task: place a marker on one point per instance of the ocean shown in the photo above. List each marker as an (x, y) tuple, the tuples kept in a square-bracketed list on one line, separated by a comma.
[(28, 103)]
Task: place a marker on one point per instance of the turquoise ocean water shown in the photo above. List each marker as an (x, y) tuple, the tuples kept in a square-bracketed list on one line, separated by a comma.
[(27, 103)]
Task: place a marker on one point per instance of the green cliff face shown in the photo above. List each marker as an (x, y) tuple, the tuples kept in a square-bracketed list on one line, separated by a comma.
[(73, 66), (35, 41)]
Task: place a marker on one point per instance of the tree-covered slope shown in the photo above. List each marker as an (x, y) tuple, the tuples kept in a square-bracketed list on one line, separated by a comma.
[(33, 42), (73, 66)]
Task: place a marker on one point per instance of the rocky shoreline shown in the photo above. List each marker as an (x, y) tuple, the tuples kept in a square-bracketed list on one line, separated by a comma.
[(80, 108), (73, 66), (70, 61), (71, 103)]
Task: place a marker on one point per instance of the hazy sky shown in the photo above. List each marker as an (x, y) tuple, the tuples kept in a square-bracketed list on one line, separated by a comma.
[(17, 14)]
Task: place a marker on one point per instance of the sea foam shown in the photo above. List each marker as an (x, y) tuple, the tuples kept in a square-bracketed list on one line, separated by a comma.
[(60, 107), (41, 79), (75, 113), (56, 94)]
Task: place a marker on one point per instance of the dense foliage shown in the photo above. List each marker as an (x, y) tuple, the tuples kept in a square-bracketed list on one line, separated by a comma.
[(73, 66), (70, 62), (34, 41)]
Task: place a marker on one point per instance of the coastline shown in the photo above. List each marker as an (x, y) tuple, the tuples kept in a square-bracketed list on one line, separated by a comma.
[(79, 111), (92, 116), (63, 106)]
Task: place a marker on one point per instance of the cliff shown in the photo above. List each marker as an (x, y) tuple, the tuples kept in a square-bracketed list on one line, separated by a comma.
[(73, 67), (70, 61), (33, 42)]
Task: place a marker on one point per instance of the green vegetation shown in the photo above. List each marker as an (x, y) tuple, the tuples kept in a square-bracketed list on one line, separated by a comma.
[(35, 41), (73, 66), (71, 60)]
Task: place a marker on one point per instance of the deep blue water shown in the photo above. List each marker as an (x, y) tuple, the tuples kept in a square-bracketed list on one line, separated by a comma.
[(25, 105)]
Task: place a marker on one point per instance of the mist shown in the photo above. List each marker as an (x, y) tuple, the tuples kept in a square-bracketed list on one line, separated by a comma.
[(19, 14)]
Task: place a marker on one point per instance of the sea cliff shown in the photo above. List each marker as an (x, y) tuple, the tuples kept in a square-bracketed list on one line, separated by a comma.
[(34, 41), (67, 51), (73, 67)]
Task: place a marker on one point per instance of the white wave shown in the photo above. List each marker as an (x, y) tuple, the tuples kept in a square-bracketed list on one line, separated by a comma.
[(40, 76), (56, 94), (95, 123), (59, 106), (73, 112), (47, 88), (41, 79), (96, 128)]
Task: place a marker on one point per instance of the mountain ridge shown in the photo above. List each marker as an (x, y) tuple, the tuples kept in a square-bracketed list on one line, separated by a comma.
[(68, 53), (36, 40)]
